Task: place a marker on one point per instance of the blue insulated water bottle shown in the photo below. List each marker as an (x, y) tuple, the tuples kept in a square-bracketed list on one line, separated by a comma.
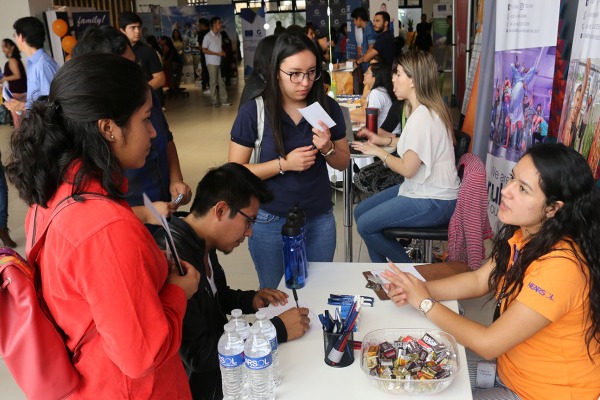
[(294, 255), (298, 213)]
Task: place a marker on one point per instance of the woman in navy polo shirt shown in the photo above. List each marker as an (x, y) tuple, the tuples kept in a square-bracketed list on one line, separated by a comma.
[(293, 156)]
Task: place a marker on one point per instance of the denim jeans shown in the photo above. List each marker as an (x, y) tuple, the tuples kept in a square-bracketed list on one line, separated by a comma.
[(388, 210), (3, 199), (266, 245)]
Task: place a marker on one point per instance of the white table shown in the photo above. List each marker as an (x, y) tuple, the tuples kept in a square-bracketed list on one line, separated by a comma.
[(304, 373)]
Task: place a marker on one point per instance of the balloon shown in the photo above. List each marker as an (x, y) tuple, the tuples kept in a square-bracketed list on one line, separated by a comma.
[(60, 27), (68, 57), (68, 42)]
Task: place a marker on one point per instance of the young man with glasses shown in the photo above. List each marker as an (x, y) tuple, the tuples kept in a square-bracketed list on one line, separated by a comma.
[(221, 217)]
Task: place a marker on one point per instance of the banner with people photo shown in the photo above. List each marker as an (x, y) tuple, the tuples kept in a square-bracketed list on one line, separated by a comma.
[(579, 127), (185, 19), (253, 29), (523, 76)]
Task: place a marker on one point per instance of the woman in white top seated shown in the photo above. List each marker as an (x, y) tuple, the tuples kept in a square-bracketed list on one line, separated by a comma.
[(427, 197), (378, 78)]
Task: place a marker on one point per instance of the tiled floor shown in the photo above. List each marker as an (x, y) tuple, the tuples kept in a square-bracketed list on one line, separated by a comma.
[(202, 137)]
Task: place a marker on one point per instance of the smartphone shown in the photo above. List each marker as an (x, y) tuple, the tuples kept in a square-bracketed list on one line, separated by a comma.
[(178, 199)]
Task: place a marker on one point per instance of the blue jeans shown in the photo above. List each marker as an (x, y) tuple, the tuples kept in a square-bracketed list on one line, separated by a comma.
[(266, 246), (388, 210), (3, 199)]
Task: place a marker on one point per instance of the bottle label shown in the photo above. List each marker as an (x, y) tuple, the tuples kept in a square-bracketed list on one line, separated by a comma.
[(258, 363), (231, 361), (273, 343)]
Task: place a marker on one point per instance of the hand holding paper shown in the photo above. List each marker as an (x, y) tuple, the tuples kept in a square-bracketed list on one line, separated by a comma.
[(315, 113), (171, 250)]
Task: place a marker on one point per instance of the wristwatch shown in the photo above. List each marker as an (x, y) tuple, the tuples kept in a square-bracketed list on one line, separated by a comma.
[(330, 152), (426, 305)]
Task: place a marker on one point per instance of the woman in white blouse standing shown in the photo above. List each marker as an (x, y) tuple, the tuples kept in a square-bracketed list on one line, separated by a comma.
[(427, 197)]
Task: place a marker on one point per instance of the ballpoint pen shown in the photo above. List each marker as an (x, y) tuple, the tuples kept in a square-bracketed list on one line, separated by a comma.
[(295, 297)]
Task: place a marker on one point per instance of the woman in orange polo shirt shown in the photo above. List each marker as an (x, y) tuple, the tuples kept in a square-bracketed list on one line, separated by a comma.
[(545, 272)]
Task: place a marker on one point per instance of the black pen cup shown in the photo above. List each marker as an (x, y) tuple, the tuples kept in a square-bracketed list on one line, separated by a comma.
[(347, 353)]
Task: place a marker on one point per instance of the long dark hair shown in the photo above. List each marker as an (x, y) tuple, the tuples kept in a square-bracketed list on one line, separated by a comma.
[(383, 78), (287, 45), (64, 127), (563, 176), (15, 51)]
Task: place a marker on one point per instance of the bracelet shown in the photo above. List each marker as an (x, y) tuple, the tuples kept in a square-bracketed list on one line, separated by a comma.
[(391, 140), (385, 158), (281, 172), (330, 152)]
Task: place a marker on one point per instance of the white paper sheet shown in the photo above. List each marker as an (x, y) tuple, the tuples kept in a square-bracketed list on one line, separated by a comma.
[(409, 269), (274, 311), (315, 113), (171, 249)]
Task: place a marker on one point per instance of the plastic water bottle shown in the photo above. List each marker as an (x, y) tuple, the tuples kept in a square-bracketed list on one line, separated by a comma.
[(294, 256), (259, 366), (231, 359), (268, 329), (241, 325)]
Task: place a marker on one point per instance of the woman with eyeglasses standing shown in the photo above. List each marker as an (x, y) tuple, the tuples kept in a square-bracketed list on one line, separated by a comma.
[(293, 155)]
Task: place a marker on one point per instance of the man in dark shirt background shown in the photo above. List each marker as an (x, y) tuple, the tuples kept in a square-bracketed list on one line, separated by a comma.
[(424, 40), (384, 45), (204, 28), (131, 25)]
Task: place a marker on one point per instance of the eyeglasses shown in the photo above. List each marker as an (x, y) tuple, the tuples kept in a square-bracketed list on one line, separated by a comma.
[(249, 221), (298, 77)]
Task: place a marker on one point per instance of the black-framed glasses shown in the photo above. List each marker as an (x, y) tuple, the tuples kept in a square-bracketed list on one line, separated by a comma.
[(298, 77), (249, 221)]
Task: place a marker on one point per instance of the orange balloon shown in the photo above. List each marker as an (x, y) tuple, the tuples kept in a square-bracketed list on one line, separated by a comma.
[(60, 27), (68, 42), (68, 57)]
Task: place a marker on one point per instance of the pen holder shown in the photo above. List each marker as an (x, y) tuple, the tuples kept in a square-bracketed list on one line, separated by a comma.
[(329, 341)]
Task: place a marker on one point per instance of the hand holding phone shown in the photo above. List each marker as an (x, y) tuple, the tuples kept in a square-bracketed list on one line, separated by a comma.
[(178, 199)]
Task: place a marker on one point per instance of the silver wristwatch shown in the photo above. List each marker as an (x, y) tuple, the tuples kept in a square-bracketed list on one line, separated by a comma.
[(426, 305)]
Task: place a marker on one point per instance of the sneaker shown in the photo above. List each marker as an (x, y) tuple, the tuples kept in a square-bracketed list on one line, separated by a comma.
[(206, 91), (226, 104)]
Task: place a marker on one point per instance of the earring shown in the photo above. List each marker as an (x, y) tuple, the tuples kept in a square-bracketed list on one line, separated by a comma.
[(112, 137)]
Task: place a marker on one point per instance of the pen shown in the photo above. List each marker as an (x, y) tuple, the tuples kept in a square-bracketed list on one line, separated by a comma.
[(295, 297)]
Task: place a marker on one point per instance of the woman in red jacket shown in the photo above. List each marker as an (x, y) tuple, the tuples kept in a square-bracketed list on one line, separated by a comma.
[(99, 265)]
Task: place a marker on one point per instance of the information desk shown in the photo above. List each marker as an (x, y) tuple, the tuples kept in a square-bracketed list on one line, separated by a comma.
[(304, 373)]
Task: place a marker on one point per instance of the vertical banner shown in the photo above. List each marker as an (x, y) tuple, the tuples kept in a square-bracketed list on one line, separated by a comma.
[(579, 127), (389, 6), (82, 20), (253, 21), (523, 74), (316, 13), (351, 42), (564, 45)]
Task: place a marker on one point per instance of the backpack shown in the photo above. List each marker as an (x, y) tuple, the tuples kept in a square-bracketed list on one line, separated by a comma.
[(31, 344), (5, 115)]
